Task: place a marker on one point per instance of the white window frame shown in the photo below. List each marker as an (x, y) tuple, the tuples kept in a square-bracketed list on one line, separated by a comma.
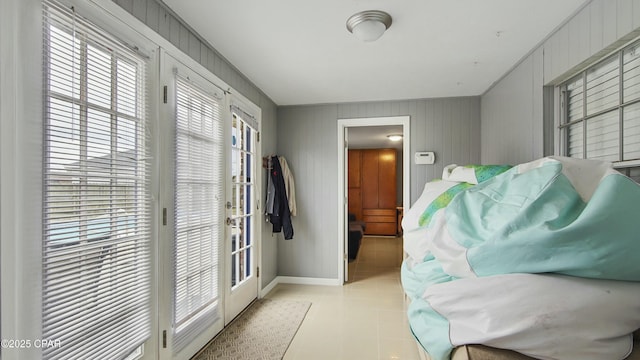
[(101, 247), (21, 154), (626, 166)]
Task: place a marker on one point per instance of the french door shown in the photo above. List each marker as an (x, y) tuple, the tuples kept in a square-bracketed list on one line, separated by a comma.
[(208, 244), (192, 162), (242, 210)]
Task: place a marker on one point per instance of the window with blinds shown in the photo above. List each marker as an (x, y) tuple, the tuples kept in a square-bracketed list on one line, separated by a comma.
[(601, 109), (96, 193), (199, 194)]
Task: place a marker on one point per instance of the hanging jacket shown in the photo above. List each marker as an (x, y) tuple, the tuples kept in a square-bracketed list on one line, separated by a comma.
[(289, 185), (281, 216)]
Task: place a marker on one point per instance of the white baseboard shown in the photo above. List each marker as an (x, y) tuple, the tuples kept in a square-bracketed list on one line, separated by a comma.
[(298, 281), (309, 281), (267, 289)]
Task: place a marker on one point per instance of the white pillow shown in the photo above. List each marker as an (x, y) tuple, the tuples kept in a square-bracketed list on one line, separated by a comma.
[(460, 174)]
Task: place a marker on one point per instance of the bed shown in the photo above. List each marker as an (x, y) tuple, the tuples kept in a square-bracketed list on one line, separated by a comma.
[(539, 260)]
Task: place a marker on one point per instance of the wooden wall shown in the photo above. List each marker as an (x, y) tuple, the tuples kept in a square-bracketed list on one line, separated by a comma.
[(307, 137), (516, 107)]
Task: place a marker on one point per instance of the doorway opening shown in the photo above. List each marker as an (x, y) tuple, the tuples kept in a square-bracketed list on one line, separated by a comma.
[(381, 212)]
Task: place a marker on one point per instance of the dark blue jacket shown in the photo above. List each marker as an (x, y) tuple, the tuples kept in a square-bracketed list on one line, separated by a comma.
[(281, 216)]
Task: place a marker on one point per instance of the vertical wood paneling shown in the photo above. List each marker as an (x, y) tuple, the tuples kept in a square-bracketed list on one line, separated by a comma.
[(636, 14), (174, 31), (152, 13), (624, 20), (609, 21), (183, 38), (308, 139), (311, 150), (508, 117), (164, 23), (194, 48), (204, 55), (125, 4), (140, 10), (513, 110), (561, 52), (419, 131), (596, 24), (579, 44), (537, 99)]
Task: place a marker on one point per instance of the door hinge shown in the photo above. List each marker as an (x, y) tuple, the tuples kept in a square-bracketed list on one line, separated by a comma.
[(164, 216), (164, 339), (258, 136), (258, 271), (345, 257), (165, 94)]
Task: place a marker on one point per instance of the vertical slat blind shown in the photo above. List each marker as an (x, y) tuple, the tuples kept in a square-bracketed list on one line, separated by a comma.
[(199, 186), (96, 211)]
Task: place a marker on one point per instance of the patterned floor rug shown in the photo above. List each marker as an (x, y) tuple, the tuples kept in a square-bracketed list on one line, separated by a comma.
[(263, 332)]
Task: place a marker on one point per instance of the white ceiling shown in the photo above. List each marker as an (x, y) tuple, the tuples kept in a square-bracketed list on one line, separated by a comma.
[(299, 51)]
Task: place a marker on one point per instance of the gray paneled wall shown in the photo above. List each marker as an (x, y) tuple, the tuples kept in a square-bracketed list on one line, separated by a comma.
[(513, 109), (510, 133), (307, 137), (164, 22)]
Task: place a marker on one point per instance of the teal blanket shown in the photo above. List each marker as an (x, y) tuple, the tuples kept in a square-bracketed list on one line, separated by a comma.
[(554, 215)]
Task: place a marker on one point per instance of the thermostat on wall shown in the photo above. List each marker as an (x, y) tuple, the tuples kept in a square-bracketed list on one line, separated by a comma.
[(425, 157)]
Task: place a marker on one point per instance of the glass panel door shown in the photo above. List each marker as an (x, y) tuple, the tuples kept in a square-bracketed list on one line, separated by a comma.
[(193, 196), (242, 206)]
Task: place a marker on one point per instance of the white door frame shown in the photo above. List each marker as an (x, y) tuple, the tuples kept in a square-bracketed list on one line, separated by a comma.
[(233, 308), (405, 122)]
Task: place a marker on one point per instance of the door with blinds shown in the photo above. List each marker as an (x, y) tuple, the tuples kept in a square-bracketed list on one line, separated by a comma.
[(192, 199), (242, 208)]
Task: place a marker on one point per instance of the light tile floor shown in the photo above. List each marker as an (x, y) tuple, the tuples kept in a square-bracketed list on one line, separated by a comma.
[(364, 319)]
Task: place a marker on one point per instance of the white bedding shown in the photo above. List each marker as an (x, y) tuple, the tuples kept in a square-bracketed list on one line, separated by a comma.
[(543, 314)]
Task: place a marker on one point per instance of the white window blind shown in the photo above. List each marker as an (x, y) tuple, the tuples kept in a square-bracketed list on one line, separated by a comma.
[(96, 211), (601, 109), (631, 91), (603, 86), (575, 112), (199, 186)]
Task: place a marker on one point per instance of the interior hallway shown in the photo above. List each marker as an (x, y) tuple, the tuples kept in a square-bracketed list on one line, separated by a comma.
[(364, 319)]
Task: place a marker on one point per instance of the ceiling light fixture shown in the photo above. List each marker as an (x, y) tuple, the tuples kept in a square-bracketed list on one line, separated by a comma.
[(395, 137), (369, 25)]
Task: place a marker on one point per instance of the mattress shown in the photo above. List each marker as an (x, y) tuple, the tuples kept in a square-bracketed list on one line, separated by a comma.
[(542, 258), (481, 352)]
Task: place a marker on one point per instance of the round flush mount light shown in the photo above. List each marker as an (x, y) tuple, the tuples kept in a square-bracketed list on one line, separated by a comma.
[(395, 137), (369, 25)]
